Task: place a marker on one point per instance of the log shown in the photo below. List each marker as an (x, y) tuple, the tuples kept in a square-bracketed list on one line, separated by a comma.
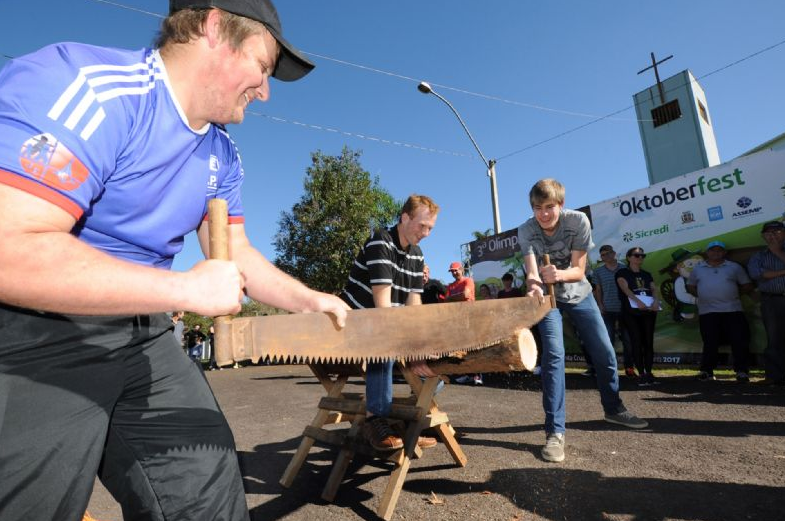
[(513, 354)]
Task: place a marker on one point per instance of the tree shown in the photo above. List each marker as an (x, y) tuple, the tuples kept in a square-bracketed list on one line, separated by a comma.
[(191, 319), (478, 236), (253, 308), (318, 240)]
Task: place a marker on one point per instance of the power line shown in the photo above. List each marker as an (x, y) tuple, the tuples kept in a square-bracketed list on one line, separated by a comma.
[(463, 91), (609, 116), (415, 80), (361, 136), (130, 8), (570, 131)]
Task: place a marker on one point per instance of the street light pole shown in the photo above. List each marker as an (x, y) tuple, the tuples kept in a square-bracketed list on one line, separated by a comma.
[(490, 165)]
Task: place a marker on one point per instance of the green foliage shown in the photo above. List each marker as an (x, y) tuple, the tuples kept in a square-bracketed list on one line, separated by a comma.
[(252, 308), (478, 235), (341, 205), (191, 319)]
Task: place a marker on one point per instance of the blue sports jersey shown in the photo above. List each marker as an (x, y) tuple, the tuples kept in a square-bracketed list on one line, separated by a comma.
[(99, 133)]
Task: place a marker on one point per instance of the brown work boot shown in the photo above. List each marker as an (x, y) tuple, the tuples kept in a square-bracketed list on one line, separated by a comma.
[(380, 435), (426, 442)]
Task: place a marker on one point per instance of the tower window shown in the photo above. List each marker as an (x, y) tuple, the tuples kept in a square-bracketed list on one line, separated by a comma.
[(703, 113), (666, 113)]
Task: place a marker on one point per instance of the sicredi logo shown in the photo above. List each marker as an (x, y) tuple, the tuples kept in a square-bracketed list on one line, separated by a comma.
[(640, 234), (667, 197), (715, 213)]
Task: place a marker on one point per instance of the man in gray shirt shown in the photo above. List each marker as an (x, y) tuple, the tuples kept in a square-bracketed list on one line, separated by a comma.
[(565, 235), (716, 283)]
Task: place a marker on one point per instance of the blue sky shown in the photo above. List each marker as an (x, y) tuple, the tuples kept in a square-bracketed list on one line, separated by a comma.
[(519, 72)]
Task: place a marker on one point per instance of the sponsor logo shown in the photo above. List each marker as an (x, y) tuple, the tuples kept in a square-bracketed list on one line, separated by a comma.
[(687, 217), (666, 197), (214, 164), (212, 183), (747, 209), (494, 244), (715, 213), (640, 234), (49, 161)]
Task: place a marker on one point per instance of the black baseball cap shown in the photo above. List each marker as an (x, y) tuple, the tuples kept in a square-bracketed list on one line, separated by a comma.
[(292, 65), (773, 226)]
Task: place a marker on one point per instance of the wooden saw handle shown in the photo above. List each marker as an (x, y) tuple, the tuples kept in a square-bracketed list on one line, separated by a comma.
[(546, 260), (218, 227)]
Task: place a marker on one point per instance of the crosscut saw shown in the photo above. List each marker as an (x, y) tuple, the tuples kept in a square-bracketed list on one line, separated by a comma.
[(370, 335), (378, 334)]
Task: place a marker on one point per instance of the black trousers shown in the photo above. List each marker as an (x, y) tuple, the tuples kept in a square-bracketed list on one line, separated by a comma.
[(719, 328), (117, 397), (640, 326)]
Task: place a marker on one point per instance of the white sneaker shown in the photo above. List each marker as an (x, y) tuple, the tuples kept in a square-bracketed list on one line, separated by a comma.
[(478, 379), (554, 448)]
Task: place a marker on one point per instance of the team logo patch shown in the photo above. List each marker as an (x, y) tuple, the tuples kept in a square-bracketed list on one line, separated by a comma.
[(49, 161)]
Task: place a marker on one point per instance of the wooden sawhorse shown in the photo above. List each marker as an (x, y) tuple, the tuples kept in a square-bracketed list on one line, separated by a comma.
[(418, 411)]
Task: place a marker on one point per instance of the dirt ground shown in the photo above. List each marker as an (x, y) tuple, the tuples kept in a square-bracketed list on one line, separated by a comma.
[(714, 451)]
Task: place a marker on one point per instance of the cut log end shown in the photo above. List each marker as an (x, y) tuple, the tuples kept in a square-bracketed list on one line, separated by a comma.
[(516, 353)]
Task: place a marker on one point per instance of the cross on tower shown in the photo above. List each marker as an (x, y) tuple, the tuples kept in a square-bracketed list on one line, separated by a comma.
[(653, 65)]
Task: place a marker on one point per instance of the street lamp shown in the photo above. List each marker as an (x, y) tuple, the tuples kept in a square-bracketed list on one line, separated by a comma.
[(490, 165)]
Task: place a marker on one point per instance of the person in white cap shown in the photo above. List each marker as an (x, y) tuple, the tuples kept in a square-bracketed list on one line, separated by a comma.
[(716, 283), (108, 158)]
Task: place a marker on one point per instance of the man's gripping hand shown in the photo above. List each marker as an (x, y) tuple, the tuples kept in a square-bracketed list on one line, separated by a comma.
[(421, 368), (326, 303), (535, 289), (213, 288)]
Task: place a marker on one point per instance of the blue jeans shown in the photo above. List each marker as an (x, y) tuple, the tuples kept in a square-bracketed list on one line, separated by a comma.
[(615, 325), (379, 388), (585, 316)]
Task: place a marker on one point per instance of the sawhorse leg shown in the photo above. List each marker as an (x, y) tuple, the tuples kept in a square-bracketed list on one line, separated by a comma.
[(334, 389)]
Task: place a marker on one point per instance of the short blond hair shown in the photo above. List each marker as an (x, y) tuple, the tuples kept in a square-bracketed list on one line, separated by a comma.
[(416, 201), (546, 190), (186, 25)]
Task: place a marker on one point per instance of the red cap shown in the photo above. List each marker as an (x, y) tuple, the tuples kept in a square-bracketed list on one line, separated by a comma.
[(455, 266)]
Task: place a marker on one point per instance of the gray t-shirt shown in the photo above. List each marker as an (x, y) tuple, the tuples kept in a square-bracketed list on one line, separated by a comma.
[(572, 233), (718, 286)]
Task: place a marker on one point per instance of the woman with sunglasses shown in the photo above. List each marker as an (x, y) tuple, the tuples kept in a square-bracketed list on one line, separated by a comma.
[(640, 304)]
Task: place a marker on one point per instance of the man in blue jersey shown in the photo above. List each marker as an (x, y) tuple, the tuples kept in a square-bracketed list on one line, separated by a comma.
[(107, 159)]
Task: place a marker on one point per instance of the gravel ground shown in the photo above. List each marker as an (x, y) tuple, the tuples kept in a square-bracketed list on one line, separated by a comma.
[(714, 451)]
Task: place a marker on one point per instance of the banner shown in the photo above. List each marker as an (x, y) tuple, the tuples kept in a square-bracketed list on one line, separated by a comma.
[(673, 221)]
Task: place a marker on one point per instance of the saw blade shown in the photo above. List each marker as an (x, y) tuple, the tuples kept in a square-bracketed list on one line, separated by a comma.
[(381, 334)]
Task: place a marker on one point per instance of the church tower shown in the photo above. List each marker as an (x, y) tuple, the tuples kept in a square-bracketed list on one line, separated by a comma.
[(675, 126)]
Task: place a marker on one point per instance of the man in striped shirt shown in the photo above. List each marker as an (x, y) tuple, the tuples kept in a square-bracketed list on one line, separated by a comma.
[(388, 272)]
